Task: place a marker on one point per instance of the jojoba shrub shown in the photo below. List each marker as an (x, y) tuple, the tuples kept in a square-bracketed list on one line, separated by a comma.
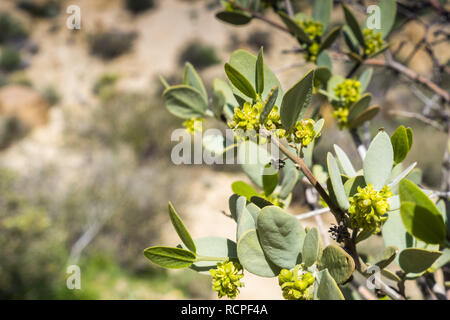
[(384, 197)]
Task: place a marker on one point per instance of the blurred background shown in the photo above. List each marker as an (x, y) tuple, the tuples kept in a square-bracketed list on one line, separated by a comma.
[(85, 169)]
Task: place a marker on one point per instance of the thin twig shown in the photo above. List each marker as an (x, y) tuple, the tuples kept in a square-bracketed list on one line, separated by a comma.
[(417, 116), (313, 213), (396, 66)]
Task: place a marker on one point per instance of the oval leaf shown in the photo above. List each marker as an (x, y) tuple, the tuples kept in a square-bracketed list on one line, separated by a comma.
[(420, 215), (181, 229), (344, 162), (338, 262), (296, 100), (171, 258), (239, 81), (184, 102), (378, 162), (336, 181), (328, 288), (232, 17), (414, 260), (322, 12), (213, 247), (252, 257), (281, 236), (191, 78), (311, 247), (353, 24)]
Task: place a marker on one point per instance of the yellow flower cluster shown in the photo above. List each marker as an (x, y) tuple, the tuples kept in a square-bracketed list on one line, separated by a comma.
[(304, 132), (368, 207), (226, 279), (341, 115), (247, 118), (348, 91), (296, 285), (194, 125), (313, 29), (373, 40)]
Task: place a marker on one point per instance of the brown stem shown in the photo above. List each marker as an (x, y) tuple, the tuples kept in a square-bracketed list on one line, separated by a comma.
[(396, 66)]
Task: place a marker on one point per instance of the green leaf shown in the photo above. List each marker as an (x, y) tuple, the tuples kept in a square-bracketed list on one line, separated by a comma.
[(322, 12), (236, 204), (289, 181), (261, 202), (252, 257), (245, 222), (401, 143), (171, 258), (442, 260), (321, 76), (324, 60), (367, 115), (311, 247), (395, 234), (269, 104), (389, 254), (353, 24), (181, 229), (233, 17), (344, 162), (184, 102), (296, 100), (378, 162), (401, 176), (212, 246), (218, 103), (336, 181), (191, 78), (390, 275), (243, 189), (253, 159), (359, 106), (245, 62), (328, 288), (270, 180), (259, 77), (295, 29), (254, 210), (338, 262), (164, 82), (388, 10), (414, 260), (365, 78), (421, 217), (222, 86), (422, 224), (350, 40), (330, 38), (281, 236), (352, 184), (239, 81)]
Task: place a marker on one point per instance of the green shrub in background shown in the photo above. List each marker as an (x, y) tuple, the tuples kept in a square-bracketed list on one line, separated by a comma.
[(42, 9), (111, 44), (33, 253), (10, 59), (200, 55), (138, 6), (11, 28)]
